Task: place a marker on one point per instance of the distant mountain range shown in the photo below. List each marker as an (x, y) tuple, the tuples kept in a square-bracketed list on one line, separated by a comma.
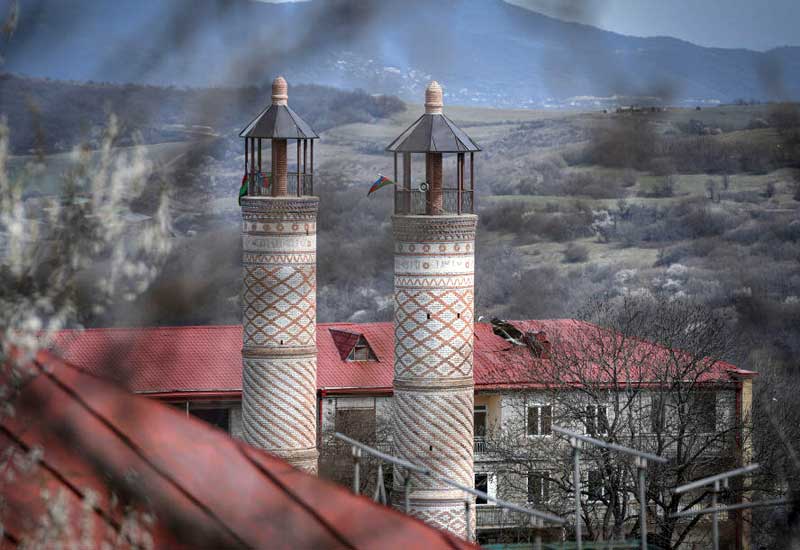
[(485, 52)]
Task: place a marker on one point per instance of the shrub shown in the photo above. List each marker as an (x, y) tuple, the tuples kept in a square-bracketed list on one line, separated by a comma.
[(590, 185), (628, 178), (506, 217), (663, 188), (575, 253)]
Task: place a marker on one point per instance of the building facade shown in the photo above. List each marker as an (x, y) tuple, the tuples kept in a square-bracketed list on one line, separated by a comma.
[(354, 394)]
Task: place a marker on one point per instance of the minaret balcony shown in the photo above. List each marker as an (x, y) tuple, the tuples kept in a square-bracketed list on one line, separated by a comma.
[(259, 185), (413, 202)]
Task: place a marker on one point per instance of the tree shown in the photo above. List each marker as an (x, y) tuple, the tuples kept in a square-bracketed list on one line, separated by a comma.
[(711, 190), (666, 186), (63, 255), (631, 372), (775, 449), (336, 458)]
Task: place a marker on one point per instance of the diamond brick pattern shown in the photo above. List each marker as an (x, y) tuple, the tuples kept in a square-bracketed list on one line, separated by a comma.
[(445, 518), (279, 305), (433, 333)]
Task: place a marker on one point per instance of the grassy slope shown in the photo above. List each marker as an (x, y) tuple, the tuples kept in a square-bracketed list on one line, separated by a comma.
[(489, 125), (348, 157)]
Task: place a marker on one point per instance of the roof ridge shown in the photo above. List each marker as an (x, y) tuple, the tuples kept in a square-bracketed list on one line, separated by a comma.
[(326, 324), (147, 328)]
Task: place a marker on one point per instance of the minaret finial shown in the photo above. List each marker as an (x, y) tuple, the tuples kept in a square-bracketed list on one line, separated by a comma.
[(433, 99), (280, 91)]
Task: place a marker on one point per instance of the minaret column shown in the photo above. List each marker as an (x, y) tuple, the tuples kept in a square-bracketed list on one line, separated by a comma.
[(279, 379), (279, 301), (434, 272), (433, 379)]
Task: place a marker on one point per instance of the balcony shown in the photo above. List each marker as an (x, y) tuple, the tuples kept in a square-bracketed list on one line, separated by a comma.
[(417, 202), (295, 186), (479, 445), (495, 517)]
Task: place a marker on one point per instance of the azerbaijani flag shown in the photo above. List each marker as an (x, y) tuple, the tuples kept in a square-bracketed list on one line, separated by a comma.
[(243, 188), (382, 181)]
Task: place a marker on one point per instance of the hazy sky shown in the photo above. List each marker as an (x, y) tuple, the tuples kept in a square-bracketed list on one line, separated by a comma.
[(752, 24)]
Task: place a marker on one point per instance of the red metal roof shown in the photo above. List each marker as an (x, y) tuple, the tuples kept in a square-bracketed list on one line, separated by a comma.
[(166, 360), (204, 489)]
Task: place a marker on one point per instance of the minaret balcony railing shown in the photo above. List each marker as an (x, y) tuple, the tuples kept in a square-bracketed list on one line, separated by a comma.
[(418, 202), (259, 185)]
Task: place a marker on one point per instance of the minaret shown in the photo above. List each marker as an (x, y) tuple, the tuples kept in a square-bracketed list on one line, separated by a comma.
[(434, 240), (279, 300)]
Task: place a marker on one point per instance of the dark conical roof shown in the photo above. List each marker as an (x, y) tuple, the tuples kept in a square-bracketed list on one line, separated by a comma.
[(433, 133), (278, 122)]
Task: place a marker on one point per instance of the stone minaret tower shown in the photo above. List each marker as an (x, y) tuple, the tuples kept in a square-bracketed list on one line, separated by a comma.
[(279, 271), (434, 240)]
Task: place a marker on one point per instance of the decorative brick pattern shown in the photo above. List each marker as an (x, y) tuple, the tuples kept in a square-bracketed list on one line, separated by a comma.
[(433, 333), (433, 378), (279, 305), (282, 411), (279, 327), (450, 518), (435, 428)]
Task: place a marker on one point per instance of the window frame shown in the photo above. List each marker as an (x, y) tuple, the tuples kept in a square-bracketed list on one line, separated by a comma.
[(485, 410), (596, 420), (658, 414), (539, 407), (348, 428), (593, 496), (488, 476), (193, 409), (696, 411), (361, 345), (544, 487)]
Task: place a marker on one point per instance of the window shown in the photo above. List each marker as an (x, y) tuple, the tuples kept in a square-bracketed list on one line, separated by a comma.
[(356, 423), (540, 418), (481, 484), (657, 414), (596, 420), (703, 410), (480, 421), (538, 487), (218, 417), (595, 487), (361, 351)]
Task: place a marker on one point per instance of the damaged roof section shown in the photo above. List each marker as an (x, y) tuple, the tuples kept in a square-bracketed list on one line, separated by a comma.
[(535, 340)]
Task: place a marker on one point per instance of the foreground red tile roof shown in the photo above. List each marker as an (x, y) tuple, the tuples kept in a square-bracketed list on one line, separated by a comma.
[(166, 360), (204, 489)]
